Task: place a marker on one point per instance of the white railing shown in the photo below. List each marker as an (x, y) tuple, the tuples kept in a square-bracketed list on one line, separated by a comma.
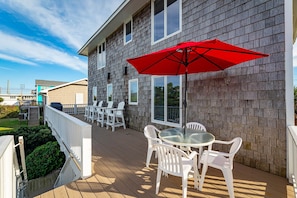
[(292, 156), (74, 109), (7, 168), (74, 137), (11, 183)]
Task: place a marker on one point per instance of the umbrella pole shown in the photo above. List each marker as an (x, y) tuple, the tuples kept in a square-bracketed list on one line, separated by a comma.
[(185, 103)]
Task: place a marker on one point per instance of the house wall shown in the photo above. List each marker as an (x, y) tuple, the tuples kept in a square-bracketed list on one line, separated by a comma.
[(66, 94), (247, 100)]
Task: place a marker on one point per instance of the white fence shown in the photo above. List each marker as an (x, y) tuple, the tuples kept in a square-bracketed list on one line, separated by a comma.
[(74, 109), (292, 156), (74, 137)]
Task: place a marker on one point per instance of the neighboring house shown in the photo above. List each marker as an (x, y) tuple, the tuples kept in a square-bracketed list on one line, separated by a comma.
[(75, 92), (253, 100), (42, 85), (17, 99)]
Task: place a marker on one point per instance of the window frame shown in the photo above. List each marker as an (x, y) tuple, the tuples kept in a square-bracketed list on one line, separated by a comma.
[(165, 122), (165, 22), (137, 91), (94, 94), (125, 30), (101, 59), (107, 92)]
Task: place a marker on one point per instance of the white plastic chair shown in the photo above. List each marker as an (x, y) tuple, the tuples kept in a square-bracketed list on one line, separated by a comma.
[(115, 117), (195, 126), (151, 133), (93, 114), (222, 161), (92, 111), (174, 161), (101, 113), (86, 115)]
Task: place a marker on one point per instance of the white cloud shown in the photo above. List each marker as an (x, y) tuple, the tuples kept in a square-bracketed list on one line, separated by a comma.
[(16, 59), (34, 52), (73, 22)]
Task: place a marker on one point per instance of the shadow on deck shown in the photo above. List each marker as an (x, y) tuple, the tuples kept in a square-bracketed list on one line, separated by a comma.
[(118, 160)]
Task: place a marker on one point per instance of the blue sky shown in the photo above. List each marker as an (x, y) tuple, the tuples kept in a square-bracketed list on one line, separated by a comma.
[(40, 39)]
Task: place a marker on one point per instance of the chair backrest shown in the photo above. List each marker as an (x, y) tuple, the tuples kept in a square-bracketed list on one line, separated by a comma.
[(196, 126), (100, 104), (109, 106), (170, 159), (120, 108), (150, 131), (234, 148), (236, 144)]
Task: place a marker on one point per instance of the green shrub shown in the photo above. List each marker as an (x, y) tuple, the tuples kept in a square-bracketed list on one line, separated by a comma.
[(33, 136), (44, 159), (9, 111)]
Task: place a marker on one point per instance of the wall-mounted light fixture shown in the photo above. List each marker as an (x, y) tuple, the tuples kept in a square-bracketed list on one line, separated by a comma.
[(125, 70), (108, 76)]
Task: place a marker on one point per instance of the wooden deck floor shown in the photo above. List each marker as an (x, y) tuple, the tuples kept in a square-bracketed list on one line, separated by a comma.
[(119, 170)]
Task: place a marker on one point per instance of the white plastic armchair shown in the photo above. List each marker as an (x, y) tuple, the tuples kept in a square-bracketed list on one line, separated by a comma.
[(115, 117), (174, 161), (222, 161), (92, 109), (86, 115), (93, 114), (151, 133), (101, 113), (195, 126)]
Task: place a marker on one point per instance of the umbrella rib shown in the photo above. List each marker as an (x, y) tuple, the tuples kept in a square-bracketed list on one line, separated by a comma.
[(149, 66)]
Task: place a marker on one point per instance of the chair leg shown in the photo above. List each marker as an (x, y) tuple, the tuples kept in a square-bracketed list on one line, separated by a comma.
[(149, 156), (229, 181), (123, 120), (185, 185), (158, 180), (204, 170), (199, 157)]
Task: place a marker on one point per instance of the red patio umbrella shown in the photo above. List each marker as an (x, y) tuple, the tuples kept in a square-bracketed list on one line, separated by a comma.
[(193, 57)]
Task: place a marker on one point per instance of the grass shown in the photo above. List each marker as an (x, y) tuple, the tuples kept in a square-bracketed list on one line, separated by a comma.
[(9, 124)]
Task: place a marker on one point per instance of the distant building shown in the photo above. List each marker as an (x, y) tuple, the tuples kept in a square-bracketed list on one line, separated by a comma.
[(17, 99), (75, 92), (43, 85)]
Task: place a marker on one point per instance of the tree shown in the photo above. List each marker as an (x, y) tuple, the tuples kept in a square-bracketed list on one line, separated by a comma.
[(1, 99)]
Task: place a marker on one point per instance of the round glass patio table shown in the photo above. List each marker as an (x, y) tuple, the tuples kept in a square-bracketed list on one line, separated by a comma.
[(186, 137)]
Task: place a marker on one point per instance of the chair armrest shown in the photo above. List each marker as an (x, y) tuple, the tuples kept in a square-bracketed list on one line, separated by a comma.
[(222, 142), (193, 154)]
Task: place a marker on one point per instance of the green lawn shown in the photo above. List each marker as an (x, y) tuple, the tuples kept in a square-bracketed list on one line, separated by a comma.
[(9, 124)]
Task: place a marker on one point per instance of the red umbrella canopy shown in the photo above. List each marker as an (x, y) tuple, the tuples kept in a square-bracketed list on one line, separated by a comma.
[(193, 57)]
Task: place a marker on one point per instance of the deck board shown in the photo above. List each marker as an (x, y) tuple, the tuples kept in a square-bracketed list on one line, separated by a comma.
[(118, 160)]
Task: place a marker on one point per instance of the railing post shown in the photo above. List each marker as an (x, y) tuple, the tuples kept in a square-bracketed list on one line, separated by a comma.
[(75, 109)]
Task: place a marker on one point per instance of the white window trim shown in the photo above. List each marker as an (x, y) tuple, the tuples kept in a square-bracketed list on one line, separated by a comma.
[(131, 81), (94, 94), (130, 19), (104, 56), (109, 85), (165, 23), (171, 124)]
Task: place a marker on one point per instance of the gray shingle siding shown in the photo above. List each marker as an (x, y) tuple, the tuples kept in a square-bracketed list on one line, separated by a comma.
[(247, 100)]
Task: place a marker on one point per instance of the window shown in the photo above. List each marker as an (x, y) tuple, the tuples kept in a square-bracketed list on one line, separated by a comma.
[(166, 18), (133, 92), (109, 92), (128, 31), (166, 100), (101, 55), (94, 92)]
